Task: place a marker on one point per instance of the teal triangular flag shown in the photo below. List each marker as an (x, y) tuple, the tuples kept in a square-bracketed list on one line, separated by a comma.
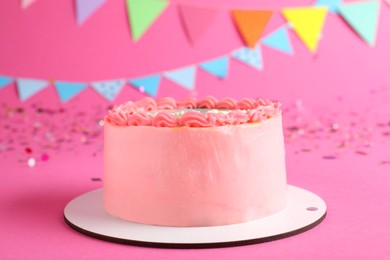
[(249, 56), (150, 84), (67, 90), (217, 67), (4, 81), (333, 5), (29, 87), (185, 77), (108, 89), (363, 18), (279, 40)]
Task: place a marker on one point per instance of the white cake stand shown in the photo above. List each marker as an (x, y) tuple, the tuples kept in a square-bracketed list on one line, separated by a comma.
[(86, 215)]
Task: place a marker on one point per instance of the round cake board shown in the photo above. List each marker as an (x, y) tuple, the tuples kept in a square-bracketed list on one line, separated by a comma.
[(86, 215)]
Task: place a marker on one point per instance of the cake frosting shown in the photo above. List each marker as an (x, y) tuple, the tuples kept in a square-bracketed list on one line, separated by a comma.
[(194, 162)]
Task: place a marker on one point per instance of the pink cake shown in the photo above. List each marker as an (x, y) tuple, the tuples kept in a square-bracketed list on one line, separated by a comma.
[(194, 162)]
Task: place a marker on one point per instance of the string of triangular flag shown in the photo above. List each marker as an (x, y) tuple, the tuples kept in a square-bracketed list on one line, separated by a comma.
[(307, 21), (184, 77)]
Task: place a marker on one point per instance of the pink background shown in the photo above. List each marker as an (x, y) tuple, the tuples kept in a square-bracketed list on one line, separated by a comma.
[(345, 83)]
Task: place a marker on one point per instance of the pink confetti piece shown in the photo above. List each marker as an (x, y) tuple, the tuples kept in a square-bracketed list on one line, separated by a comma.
[(329, 157), (361, 153), (45, 157)]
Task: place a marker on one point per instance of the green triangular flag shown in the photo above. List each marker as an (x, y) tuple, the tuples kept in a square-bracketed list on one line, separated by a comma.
[(142, 13), (363, 18)]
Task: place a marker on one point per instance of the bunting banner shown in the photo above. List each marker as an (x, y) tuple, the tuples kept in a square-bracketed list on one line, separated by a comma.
[(108, 89), (217, 67), (251, 24), (196, 21), (279, 40), (29, 87), (363, 18), (307, 22), (67, 90), (148, 84), (332, 5), (4, 81), (142, 14), (184, 77), (85, 8), (249, 56)]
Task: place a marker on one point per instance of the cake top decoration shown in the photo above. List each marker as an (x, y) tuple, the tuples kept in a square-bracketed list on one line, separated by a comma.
[(207, 112)]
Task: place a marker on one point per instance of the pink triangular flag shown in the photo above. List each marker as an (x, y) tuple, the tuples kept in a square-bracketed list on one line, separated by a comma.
[(85, 8), (26, 3), (196, 21)]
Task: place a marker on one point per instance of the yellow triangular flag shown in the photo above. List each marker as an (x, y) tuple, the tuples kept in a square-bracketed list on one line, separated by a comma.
[(307, 23)]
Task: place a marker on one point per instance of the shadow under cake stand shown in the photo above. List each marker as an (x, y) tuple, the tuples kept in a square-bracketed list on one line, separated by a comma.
[(304, 211)]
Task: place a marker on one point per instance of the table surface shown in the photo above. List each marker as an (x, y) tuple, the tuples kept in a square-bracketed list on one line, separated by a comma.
[(342, 156)]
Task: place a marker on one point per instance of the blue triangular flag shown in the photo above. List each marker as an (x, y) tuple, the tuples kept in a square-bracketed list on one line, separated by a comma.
[(363, 18), (108, 89), (4, 81), (218, 67), (279, 40), (67, 90), (29, 87), (249, 56), (185, 77), (333, 5), (150, 84)]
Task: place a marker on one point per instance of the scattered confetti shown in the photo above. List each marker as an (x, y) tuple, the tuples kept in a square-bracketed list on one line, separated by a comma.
[(28, 150), (96, 179)]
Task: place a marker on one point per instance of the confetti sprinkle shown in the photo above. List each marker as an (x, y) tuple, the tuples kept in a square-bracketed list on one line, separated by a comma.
[(28, 150), (329, 157), (96, 179), (31, 162), (45, 157)]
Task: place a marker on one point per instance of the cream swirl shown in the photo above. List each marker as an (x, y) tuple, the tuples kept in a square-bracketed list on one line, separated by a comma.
[(140, 118), (146, 104), (227, 103), (208, 102), (165, 119), (217, 119), (238, 117), (166, 103), (246, 103), (187, 103), (194, 119)]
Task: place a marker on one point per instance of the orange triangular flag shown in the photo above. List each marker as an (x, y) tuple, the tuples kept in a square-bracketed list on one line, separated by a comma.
[(251, 24)]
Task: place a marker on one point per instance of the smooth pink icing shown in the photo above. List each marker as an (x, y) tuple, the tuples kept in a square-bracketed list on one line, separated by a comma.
[(195, 176)]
